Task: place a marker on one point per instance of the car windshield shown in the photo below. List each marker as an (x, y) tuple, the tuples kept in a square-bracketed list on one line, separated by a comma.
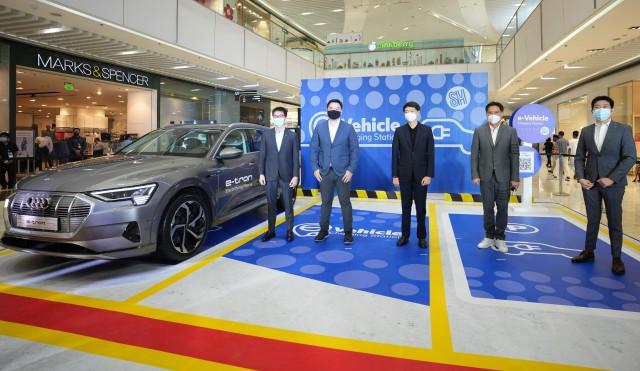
[(187, 142)]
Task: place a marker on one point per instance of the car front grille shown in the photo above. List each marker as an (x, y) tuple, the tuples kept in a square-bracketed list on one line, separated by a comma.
[(70, 210)]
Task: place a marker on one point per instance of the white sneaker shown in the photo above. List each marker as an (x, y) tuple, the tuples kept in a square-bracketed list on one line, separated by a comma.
[(501, 246), (485, 243)]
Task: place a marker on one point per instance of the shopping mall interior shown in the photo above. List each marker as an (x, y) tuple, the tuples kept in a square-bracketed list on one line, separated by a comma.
[(235, 196)]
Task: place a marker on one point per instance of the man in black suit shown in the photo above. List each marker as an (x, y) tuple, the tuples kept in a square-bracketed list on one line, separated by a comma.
[(279, 166), (412, 168), (605, 154)]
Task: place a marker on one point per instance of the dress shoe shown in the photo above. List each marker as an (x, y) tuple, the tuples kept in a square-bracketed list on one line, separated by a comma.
[(267, 236), (583, 257), (348, 238), (422, 243), (617, 266), (289, 235), (486, 242), (402, 241), (500, 246), (321, 236)]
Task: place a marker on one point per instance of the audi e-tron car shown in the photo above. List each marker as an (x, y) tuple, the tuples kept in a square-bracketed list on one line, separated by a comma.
[(160, 194)]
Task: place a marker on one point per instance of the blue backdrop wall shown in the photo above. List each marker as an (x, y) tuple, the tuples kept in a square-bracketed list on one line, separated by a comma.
[(452, 104)]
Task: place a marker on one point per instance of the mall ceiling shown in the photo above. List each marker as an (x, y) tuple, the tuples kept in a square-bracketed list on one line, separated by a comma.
[(475, 21)]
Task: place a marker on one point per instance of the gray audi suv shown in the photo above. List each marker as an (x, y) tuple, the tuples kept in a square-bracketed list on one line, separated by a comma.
[(159, 194)]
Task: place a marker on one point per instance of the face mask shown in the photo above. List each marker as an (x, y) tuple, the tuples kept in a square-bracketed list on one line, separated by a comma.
[(494, 119), (4, 140), (278, 121), (334, 114), (76, 134), (602, 114), (410, 116)]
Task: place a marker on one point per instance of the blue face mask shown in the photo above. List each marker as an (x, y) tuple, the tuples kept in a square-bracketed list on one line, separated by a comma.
[(602, 114)]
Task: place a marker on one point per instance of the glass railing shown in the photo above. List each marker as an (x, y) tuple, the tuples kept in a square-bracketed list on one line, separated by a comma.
[(522, 14), (413, 57), (262, 23)]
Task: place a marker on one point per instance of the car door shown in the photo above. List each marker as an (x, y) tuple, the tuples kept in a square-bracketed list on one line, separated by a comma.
[(235, 176), (255, 138)]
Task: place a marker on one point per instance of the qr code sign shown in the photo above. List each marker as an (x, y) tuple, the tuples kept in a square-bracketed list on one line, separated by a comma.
[(526, 162)]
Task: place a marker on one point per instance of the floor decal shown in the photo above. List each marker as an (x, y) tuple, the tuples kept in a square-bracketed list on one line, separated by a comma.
[(538, 267), (372, 263)]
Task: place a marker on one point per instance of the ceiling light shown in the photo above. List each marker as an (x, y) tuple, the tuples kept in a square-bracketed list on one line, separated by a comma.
[(44, 105), (194, 98), (195, 89), (595, 50), (182, 67), (532, 88), (19, 82), (567, 67), (376, 6), (19, 106), (634, 28), (99, 92), (39, 110), (306, 13), (548, 78), (19, 72), (251, 86), (290, 97), (94, 102), (337, 10), (162, 82), (524, 94), (19, 88), (406, 28), (511, 102), (51, 30), (32, 100), (60, 98), (320, 24), (506, 35), (131, 52), (120, 101), (88, 97), (119, 96), (380, 37), (223, 78), (19, 111), (516, 98), (456, 24)]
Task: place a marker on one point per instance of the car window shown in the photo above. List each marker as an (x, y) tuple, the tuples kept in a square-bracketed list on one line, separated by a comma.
[(255, 136), (237, 139), (174, 142)]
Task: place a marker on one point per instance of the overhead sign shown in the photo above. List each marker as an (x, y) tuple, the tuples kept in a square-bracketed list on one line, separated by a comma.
[(68, 86), (344, 38), (377, 45), (534, 123)]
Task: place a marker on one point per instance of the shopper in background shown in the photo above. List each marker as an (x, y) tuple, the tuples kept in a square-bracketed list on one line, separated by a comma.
[(548, 150), (554, 156), (77, 146), (495, 167), (44, 146), (412, 167), (279, 166), (563, 151), (8, 167), (605, 154), (98, 148), (334, 154), (573, 146)]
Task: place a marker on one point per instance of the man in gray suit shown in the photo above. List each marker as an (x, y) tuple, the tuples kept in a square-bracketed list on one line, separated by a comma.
[(605, 154), (495, 167), (279, 167)]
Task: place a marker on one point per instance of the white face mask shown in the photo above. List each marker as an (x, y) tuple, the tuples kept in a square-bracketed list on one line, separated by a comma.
[(411, 116), (494, 119), (278, 121)]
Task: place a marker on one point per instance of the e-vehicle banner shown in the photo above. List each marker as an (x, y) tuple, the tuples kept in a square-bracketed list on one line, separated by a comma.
[(452, 104)]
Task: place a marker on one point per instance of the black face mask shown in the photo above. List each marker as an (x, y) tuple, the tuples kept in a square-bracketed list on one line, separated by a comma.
[(334, 114), (76, 134)]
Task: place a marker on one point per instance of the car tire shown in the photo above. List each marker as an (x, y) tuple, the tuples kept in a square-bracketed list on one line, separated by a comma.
[(281, 200), (183, 228)]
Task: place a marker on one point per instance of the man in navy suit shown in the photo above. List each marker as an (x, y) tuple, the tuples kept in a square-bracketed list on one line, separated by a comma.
[(334, 158), (605, 154), (412, 168), (279, 167)]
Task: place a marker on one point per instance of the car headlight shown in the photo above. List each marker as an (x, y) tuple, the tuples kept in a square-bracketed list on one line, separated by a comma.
[(139, 195)]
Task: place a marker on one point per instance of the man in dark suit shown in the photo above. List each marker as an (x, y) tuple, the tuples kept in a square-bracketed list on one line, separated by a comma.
[(334, 158), (279, 167), (605, 154), (495, 167), (412, 167)]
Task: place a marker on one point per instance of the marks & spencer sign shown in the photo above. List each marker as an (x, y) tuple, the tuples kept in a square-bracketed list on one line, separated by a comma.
[(90, 69)]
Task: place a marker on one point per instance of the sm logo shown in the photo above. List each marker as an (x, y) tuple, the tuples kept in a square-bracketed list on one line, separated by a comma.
[(458, 98)]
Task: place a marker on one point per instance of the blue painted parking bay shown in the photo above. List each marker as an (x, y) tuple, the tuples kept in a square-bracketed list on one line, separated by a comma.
[(372, 263), (538, 267)]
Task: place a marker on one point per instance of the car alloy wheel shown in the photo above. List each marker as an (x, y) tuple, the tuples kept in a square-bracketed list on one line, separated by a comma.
[(188, 227)]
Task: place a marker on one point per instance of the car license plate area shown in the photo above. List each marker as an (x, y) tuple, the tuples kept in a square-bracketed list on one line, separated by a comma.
[(37, 222)]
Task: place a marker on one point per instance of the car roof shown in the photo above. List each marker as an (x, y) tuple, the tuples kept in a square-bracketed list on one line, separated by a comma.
[(234, 125)]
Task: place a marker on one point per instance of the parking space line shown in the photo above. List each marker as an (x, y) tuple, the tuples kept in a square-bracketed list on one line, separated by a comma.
[(440, 330), (6, 252), (193, 268)]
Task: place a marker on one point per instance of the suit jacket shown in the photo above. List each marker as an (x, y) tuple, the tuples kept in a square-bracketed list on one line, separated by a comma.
[(283, 164), (614, 160), (415, 162), (501, 158), (341, 155)]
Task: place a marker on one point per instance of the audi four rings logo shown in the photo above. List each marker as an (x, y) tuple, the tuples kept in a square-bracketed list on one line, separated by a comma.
[(38, 203)]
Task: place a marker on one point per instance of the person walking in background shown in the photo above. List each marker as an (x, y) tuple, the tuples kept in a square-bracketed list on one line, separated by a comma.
[(554, 156), (44, 148), (98, 148), (279, 167), (605, 154), (573, 146), (412, 168), (563, 151), (548, 150), (495, 167), (8, 167), (334, 152), (77, 146)]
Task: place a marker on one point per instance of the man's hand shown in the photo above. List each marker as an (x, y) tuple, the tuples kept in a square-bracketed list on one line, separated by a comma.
[(347, 176), (425, 181), (476, 181), (317, 175), (294, 182), (396, 181), (263, 181), (605, 182), (514, 185), (586, 184)]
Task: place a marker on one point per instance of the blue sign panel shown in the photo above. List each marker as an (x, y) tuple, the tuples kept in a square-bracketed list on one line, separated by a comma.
[(452, 104), (534, 123)]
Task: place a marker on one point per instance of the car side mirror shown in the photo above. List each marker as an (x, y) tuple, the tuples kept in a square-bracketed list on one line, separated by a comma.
[(229, 153)]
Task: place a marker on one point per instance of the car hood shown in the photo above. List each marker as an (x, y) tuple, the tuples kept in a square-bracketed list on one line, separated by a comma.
[(107, 172)]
